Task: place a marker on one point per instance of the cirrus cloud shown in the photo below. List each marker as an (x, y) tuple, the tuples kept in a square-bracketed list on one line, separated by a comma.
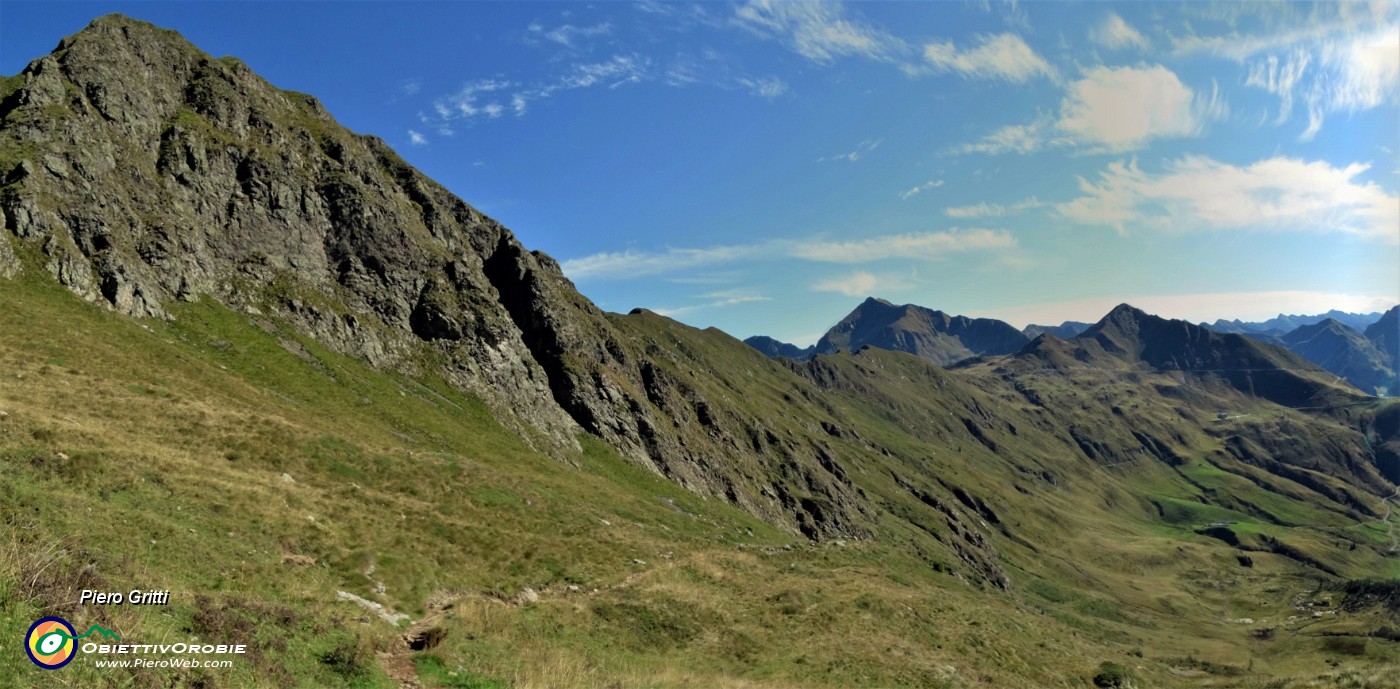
[(913, 245), (991, 210), (1116, 34), (860, 284), (1003, 56), (820, 31), (630, 264), (919, 189)]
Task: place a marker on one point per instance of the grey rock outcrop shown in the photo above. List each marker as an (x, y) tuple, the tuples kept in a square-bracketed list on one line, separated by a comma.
[(230, 188), (9, 264)]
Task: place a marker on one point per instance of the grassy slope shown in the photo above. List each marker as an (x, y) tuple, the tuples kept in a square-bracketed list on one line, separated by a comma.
[(152, 455)]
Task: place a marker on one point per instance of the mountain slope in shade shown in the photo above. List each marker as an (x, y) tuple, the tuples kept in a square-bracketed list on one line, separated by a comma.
[(931, 335), (1342, 351), (775, 348), (1385, 335), (1064, 330)]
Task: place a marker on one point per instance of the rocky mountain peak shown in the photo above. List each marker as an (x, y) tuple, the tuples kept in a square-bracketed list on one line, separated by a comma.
[(1127, 313)]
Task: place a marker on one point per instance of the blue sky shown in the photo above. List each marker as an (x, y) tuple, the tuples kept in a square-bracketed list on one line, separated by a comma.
[(763, 167)]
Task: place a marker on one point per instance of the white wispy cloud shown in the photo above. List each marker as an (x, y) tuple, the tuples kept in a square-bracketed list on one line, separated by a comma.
[(766, 87), (711, 67), (568, 34), (1344, 58), (467, 102), (1014, 138), (1003, 56), (1276, 194), (417, 139), (857, 284), (1115, 34), (411, 87), (630, 264), (1356, 73), (1113, 109), (912, 245), (620, 70), (1359, 73), (715, 300), (1011, 12), (991, 210), (919, 189), (682, 17), (862, 149), (683, 71), (1324, 22), (1368, 67), (819, 31), (491, 98)]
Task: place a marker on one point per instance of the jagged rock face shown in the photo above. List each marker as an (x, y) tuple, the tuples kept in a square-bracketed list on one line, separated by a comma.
[(144, 172), (149, 172)]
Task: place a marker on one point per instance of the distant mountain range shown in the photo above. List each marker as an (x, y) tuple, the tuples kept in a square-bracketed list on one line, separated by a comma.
[(1064, 330), (1283, 324), (1332, 340), (775, 348)]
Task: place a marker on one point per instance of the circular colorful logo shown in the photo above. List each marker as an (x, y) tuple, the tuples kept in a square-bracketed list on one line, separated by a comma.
[(50, 643)]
